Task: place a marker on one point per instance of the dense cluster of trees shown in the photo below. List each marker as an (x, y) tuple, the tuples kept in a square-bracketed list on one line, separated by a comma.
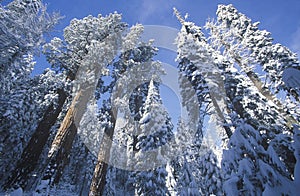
[(53, 124)]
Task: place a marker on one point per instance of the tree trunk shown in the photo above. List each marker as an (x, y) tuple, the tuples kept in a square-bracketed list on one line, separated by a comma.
[(217, 92), (62, 143), (99, 177), (31, 153), (290, 120), (218, 96)]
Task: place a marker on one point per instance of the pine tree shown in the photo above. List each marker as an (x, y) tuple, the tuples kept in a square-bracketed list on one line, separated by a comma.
[(20, 116), (256, 124), (156, 131), (198, 62), (125, 138), (180, 165), (211, 179), (24, 24), (233, 73), (39, 94), (246, 161), (248, 46), (268, 125), (135, 67)]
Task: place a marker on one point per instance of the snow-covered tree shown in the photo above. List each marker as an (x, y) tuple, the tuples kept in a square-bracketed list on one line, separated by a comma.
[(253, 100), (125, 137), (90, 44), (211, 178), (181, 179), (244, 43), (232, 58), (135, 67), (23, 25), (198, 62), (23, 99), (20, 116), (104, 84), (155, 132), (246, 163), (156, 127), (256, 123)]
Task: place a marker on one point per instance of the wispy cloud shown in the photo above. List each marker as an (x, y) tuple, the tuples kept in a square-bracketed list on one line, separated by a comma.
[(150, 8), (295, 45), (155, 10)]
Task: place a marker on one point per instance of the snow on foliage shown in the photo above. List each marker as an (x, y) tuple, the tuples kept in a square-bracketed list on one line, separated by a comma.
[(236, 72)]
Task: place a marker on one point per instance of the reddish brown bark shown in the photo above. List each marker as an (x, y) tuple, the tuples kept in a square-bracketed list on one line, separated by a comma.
[(62, 143), (99, 177)]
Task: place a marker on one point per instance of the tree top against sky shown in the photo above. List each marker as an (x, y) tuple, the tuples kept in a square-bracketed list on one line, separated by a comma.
[(278, 17)]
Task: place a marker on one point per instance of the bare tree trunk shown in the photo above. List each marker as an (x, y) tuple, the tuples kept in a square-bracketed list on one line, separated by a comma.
[(62, 143), (99, 177), (31, 153)]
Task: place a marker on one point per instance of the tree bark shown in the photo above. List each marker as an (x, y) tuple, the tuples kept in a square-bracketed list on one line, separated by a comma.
[(62, 143), (99, 177), (31, 153)]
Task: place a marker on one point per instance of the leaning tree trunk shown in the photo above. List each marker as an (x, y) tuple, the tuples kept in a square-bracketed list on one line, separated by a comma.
[(215, 85), (290, 120), (99, 177), (62, 143), (31, 153), (218, 94)]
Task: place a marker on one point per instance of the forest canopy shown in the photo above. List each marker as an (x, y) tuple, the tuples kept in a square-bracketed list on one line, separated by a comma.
[(94, 121)]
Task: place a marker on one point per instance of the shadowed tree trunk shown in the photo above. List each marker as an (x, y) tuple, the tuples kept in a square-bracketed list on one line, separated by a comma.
[(99, 177), (30, 155)]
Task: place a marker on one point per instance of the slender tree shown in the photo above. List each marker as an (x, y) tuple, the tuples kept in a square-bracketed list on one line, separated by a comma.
[(156, 131), (135, 67), (248, 46), (125, 137), (198, 61)]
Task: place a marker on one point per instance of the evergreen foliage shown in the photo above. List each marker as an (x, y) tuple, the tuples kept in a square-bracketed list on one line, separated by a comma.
[(101, 97)]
